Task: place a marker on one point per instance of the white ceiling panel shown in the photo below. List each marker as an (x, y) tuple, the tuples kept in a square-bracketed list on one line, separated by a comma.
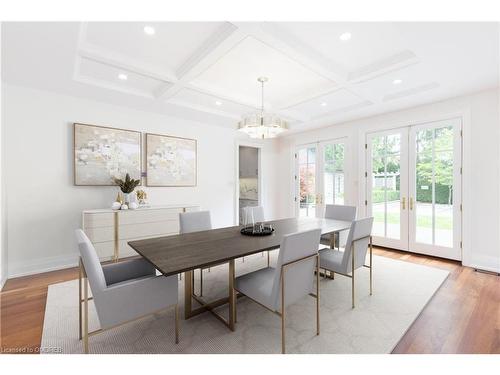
[(209, 103), (172, 44), (335, 101), (369, 41), (395, 81), (108, 76), (236, 74)]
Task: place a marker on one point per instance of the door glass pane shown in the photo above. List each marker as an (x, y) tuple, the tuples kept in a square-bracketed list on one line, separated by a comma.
[(443, 208), (333, 173), (424, 190), (392, 185), (307, 182), (434, 180), (386, 181)]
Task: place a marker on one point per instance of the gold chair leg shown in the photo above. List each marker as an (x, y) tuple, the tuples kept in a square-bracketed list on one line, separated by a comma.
[(332, 274), (317, 295), (80, 299), (371, 279), (86, 318), (352, 279), (176, 323), (282, 311)]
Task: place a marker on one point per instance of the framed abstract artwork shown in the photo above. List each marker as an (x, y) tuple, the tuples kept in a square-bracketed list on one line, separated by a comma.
[(170, 161), (102, 153)]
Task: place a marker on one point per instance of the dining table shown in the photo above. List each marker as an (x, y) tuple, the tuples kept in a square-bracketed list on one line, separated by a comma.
[(184, 253)]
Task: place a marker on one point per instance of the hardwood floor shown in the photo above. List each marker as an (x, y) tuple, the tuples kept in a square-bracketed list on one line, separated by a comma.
[(462, 317)]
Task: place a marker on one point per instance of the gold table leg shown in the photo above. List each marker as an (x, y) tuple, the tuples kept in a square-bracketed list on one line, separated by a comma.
[(188, 291), (232, 296), (189, 296)]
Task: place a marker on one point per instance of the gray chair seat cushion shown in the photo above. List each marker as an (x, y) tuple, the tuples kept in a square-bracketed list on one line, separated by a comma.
[(258, 285), (331, 260), (115, 273)]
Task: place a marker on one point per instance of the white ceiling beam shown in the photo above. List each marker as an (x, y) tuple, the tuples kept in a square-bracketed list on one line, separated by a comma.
[(215, 47)]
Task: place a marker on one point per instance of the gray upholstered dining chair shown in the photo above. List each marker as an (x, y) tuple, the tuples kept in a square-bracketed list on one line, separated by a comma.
[(291, 280), (195, 221), (354, 255), (257, 213), (337, 212), (121, 292)]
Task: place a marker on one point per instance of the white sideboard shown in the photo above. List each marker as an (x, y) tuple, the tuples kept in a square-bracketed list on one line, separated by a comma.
[(110, 230)]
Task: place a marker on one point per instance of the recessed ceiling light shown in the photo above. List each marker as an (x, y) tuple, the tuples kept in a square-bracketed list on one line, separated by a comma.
[(150, 30), (345, 36), (397, 81), (218, 103), (323, 104), (122, 76)]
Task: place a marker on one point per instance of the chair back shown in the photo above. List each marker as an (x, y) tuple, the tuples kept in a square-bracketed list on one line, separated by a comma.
[(91, 262), (195, 221), (257, 212), (340, 212), (299, 276), (357, 240)]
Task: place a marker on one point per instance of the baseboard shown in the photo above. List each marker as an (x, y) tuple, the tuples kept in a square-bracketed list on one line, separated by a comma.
[(42, 265), (485, 269)]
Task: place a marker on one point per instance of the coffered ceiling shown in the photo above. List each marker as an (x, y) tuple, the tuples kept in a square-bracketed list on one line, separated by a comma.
[(319, 73)]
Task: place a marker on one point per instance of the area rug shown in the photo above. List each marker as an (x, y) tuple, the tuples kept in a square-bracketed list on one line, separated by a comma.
[(400, 292)]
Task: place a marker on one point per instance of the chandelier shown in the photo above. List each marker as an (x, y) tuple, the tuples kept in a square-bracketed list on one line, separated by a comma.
[(262, 125)]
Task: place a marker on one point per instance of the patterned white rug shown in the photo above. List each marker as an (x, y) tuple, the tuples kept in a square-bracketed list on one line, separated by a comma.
[(401, 291)]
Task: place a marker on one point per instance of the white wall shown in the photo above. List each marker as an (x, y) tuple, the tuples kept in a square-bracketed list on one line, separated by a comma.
[(481, 216), (3, 223), (43, 205)]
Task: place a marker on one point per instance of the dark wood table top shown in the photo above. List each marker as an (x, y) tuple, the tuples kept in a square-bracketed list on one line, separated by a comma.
[(183, 252)]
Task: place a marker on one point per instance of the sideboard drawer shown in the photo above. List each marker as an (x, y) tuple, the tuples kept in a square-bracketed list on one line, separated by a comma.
[(105, 219), (144, 230), (100, 234), (149, 216)]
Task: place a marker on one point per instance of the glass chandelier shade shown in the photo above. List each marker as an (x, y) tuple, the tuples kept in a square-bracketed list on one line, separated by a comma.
[(262, 125)]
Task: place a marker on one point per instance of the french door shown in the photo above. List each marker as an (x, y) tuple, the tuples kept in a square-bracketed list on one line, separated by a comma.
[(319, 177), (414, 188), (387, 187)]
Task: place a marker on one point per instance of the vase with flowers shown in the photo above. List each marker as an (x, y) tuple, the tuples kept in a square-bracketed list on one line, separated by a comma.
[(127, 186)]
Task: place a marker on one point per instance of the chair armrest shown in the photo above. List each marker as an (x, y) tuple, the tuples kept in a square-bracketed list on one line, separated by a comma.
[(126, 270)]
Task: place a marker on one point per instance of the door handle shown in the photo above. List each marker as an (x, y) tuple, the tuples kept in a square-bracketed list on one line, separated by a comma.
[(403, 203), (319, 199), (411, 203)]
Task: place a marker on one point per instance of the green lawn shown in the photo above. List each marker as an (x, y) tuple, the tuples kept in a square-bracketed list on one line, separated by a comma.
[(442, 222)]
